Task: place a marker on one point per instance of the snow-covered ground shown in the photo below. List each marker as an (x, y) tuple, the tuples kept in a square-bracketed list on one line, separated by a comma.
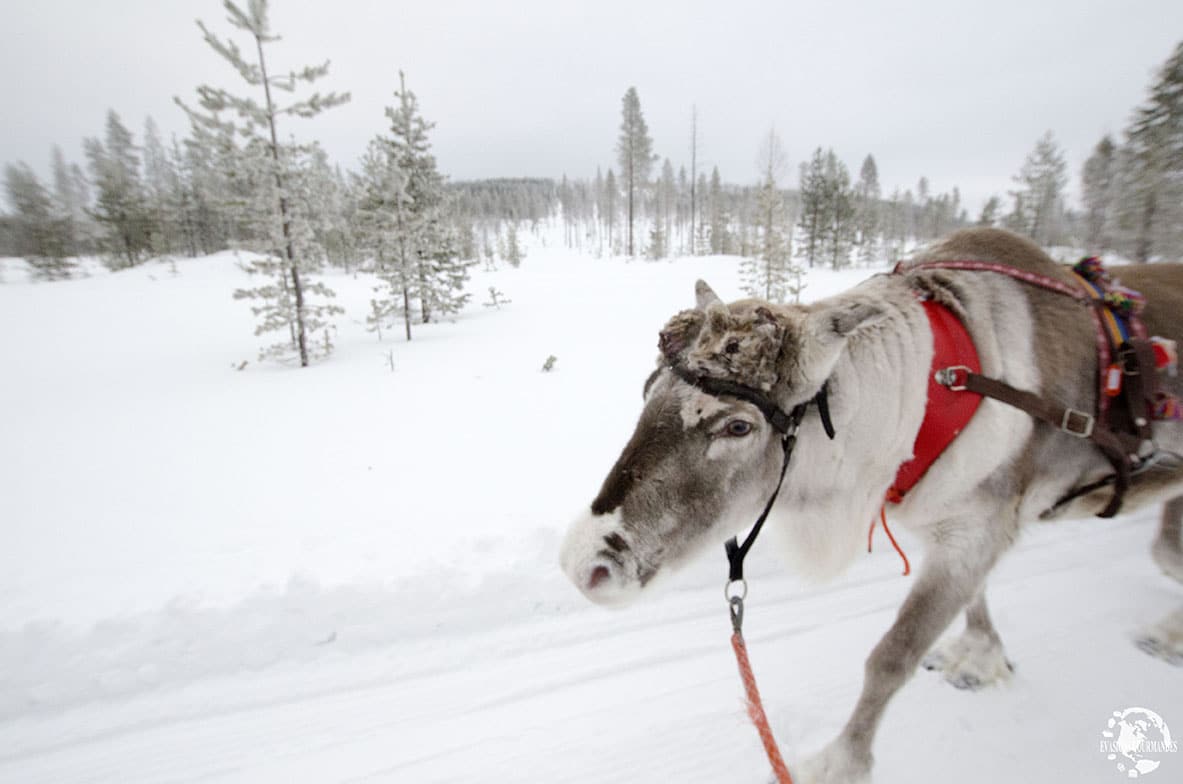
[(349, 573)]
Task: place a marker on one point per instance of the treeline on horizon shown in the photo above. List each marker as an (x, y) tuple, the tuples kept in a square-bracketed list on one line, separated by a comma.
[(232, 184)]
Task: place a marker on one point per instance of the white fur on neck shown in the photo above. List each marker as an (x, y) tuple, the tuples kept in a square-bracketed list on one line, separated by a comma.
[(878, 390)]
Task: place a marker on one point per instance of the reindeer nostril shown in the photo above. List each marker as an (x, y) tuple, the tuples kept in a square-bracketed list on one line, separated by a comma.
[(598, 575)]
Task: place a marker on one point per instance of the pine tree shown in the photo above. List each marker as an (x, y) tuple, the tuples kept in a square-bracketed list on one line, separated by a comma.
[(512, 252), (121, 206), (634, 151), (720, 239), (332, 210), (429, 231), (69, 207), (702, 238), (160, 184), (866, 205), (767, 275), (656, 249), (214, 191), (384, 216), (694, 193), (838, 218), (812, 221), (40, 232), (183, 201), (1039, 201), (610, 209), (283, 235), (1151, 180), (989, 215), (924, 208), (1097, 181), (667, 195), (599, 198)]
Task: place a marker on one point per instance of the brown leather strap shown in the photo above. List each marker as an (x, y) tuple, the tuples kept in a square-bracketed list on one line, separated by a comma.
[(1116, 447), (1140, 383)]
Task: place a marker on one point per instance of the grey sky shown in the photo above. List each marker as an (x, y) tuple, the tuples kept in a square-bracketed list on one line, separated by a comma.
[(955, 91)]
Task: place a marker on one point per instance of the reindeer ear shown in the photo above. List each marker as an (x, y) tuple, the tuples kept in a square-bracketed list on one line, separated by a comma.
[(841, 319), (704, 295)]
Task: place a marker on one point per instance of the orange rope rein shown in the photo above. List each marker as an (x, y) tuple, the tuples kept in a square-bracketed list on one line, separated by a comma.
[(756, 710), (754, 704)]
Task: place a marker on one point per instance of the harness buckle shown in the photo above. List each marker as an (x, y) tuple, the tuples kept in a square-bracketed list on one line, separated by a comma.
[(1077, 423), (954, 377)]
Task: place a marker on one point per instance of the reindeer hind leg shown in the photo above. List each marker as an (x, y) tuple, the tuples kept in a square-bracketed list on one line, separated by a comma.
[(1165, 638)]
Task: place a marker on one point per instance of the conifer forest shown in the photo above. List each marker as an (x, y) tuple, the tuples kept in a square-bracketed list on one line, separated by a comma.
[(240, 180)]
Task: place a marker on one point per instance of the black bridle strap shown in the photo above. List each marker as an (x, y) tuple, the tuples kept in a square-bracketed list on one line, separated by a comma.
[(718, 387), (823, 409), (736, 552)]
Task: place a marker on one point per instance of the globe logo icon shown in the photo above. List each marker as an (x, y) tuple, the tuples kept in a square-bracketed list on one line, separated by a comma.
[(1137, 740)]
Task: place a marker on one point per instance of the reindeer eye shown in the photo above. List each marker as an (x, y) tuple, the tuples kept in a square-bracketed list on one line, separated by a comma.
[(738, 428), (732, 347)]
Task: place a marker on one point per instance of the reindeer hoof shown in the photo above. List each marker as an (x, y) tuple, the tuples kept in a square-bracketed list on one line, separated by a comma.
[(1164, 640), (1161, 649), (971, 661)]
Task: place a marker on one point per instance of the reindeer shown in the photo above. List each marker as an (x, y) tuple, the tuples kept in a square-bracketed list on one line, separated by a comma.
[(700, 466)]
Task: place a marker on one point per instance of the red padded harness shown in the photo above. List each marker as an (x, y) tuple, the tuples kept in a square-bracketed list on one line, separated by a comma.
[(947, 411), (955, 371)]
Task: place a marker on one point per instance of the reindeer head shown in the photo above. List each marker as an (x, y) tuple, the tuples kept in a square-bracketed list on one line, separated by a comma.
[(699, 466)]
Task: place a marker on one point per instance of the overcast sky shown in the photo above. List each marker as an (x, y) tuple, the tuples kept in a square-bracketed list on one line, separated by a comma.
[(958, 92)]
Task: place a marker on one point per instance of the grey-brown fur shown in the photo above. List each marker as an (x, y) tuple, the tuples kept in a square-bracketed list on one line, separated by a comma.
[(683, 481)]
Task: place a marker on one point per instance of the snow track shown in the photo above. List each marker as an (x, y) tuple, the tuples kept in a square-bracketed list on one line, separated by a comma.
[(651, 694)]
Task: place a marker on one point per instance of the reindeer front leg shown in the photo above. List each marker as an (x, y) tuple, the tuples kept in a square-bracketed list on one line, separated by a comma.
[(953, 572)]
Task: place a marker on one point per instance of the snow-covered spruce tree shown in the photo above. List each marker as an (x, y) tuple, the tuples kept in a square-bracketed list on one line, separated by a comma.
[(989, 213), (383, 223), (667, 196), (275, 301), (608, 210), (183, 202), (511, 250), (766, 275), (69, 205), (1151, 179), (121, 207), (812, 189), (1039, 195), (215, 192), (161, 191), (634, 152), (330, 204), (866, 206), (40, 231), (424, 228), (282, 234), (838, 218), (1096, 193), (720, 240), (695, 193), (656, 249)]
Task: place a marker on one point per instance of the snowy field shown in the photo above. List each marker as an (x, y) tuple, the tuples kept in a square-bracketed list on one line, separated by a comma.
[(349, 573)]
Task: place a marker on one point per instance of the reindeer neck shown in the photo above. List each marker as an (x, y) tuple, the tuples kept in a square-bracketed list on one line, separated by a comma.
[(877, 395)]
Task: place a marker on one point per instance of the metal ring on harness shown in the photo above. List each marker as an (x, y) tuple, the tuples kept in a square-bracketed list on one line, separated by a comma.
[(743, 593)]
